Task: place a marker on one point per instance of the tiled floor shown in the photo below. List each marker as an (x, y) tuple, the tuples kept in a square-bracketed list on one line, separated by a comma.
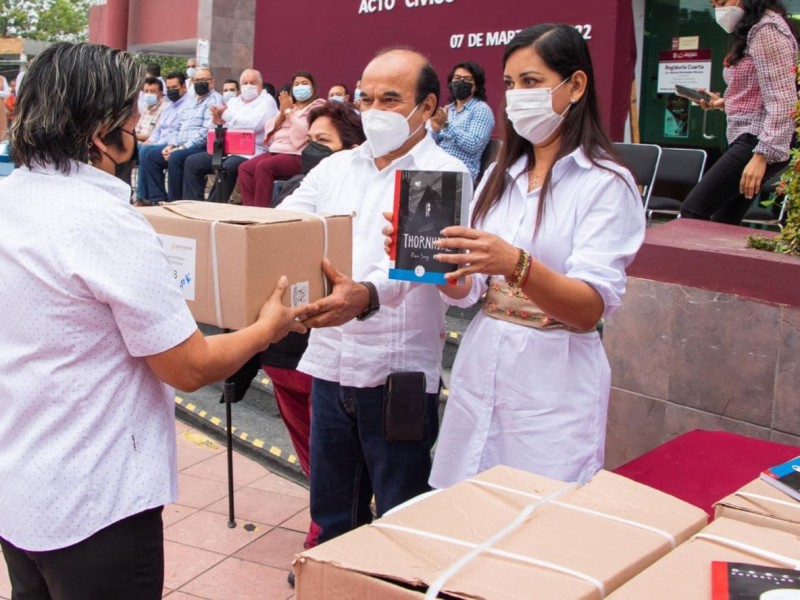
[(204, 558)]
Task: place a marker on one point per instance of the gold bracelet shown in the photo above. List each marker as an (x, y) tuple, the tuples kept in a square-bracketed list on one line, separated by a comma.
[(516, 275), (526, 270)]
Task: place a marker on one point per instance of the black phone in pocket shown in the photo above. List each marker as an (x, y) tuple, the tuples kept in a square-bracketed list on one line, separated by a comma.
[(404, 407)]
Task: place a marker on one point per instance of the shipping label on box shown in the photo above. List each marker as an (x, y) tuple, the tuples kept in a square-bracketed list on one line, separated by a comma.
[(579, 542), (685, 573), (227, 258)]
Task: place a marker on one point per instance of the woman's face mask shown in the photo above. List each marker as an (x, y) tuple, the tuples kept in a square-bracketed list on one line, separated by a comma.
[(531, 112), (728, 17)]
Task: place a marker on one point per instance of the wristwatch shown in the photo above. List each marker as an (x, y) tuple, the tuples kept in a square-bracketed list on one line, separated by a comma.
[(374, 302)]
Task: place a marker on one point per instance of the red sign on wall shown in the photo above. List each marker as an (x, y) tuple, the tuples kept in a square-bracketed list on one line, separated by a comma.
[(335, 40)]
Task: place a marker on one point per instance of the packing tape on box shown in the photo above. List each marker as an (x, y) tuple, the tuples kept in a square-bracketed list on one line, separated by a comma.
[(794, 563), (487, 546), (215, 262), (752, 496), (665, 534)]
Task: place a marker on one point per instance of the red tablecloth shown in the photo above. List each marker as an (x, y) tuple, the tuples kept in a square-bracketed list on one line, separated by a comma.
[(702, 467)]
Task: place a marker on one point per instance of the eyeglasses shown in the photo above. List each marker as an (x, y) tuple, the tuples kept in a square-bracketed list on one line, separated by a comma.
[(457, 78)]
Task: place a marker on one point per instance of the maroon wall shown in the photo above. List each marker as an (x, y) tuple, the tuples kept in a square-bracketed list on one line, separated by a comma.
[(155, 21), (335, 42)]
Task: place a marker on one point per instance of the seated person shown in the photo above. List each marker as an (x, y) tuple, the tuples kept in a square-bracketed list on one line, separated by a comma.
[(339, 93), (167, 125), (250, 111), (464, 127), (190, 138), (286, 139), (230, 89), (154, 105)]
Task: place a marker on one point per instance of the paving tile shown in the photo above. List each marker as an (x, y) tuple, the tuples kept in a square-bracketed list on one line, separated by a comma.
[(199, 492), (191, 438), (165, 592), (299, 522), (245, 471), (243, 580), (175, 512), (279, 485), (260, 506), (183, 563), (184, 596), (276, 549), (188, 457), (210, 531)]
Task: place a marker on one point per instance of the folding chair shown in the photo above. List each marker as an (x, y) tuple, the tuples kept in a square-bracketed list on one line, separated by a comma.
[(642, 160), (678, 172)]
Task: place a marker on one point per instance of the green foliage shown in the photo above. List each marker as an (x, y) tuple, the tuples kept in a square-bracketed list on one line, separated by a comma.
[(788, 240), (168, 62), (45, 20)]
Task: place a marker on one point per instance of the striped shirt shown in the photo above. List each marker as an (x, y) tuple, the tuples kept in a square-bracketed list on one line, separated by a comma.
[(467, 133), (195, 121), (761, 90)]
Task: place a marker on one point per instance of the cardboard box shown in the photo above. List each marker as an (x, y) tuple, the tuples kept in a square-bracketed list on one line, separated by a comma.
[(685, 573), (254, 247), (761, 504), (591, 529)]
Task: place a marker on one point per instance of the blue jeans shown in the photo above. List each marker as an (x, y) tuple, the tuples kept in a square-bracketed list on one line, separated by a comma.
[(142, 190), (152, 169), (351, 460)]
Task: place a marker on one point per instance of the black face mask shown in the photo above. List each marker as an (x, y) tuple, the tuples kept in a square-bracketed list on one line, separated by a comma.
[(461, 90), (311, 156), (173, 95), (201, 88), (123, 169)]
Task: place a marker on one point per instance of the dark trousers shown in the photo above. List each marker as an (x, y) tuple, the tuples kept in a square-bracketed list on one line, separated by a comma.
[(152, 168), (257, 176), (716, 197), (198, 166), (351, 459), (124, 561)]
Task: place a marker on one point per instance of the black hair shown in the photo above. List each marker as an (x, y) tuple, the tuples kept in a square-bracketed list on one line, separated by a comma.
[(233, 81), (154, 69), (563, 50), (179, 75), (310, 77), (477, 74), (56, 120), (753, 12), (343, 86), (154, 81)]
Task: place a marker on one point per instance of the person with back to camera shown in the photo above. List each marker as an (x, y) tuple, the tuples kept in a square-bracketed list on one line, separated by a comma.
[(286, 138), (463, 128), (758, 103), (88, 455), (555, 222)]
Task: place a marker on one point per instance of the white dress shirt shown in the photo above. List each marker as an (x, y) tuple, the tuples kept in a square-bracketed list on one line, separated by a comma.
[(530, 398), (251, 116), (87, 433), (407, 333)]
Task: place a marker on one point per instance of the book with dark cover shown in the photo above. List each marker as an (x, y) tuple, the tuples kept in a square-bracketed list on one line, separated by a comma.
[(785, 477), (742, 581), (425, 202)]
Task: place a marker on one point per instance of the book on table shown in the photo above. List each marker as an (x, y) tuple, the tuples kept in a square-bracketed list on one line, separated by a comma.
[(425, 202), (742, 581), (785, 477)]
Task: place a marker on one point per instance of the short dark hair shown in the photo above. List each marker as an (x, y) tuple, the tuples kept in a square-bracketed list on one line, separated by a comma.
[(343, 86), (154, 69), (233, 81), (154, 81), (57, 128), (344, 118), (179, 75), (477, 74)]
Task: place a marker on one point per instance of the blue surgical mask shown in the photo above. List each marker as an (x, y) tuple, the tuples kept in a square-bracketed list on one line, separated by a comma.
[(228, 95), (301, 92), (357, 94), (336, 98), (150, 100)]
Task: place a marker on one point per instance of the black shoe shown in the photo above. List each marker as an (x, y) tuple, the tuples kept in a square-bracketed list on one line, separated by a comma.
[(290, 578)]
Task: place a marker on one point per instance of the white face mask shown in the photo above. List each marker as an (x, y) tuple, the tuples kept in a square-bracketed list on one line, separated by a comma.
[(150, 100), (191, 72), (531, 112), (728, 17), (386, 131), (249, 92), (229, 95)]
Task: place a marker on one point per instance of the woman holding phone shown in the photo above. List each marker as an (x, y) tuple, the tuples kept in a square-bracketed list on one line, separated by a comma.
[(761, 93)]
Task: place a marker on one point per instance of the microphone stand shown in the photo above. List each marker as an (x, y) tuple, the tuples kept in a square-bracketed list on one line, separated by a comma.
[(219, 193)]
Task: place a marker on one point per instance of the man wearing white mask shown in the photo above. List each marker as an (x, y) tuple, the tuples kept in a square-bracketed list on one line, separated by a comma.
[(154, 104), (191, 71), (370, 327), (248, 111)]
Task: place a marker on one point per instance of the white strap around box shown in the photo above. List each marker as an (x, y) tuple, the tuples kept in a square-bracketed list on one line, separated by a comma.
[(794, 563), (795, 505), (215, 262), (487, 546)]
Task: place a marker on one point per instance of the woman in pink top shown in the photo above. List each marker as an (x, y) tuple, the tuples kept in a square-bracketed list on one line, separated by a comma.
[(286, 138), (761, 93)]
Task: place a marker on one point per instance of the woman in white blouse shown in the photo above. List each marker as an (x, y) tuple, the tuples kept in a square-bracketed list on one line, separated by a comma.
[(555, 223)]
